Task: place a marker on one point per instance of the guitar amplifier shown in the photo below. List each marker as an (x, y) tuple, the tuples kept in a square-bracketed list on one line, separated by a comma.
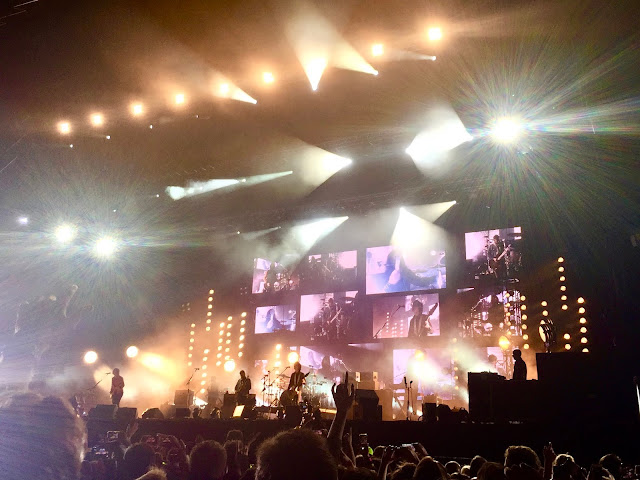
[(183, 398)]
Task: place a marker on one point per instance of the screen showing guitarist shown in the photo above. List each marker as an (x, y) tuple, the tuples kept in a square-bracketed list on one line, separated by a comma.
[(419, 325), (496, 253)]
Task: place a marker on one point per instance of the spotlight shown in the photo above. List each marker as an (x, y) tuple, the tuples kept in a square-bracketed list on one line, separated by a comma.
[(224, 89), (567, 346), (563, 278), (244, 314), (229, 366), (560, 259), (64, 127), (585, 350), (583, 329), (65, 233), (90, 357), (179, 98), (293, 357), (564, 307), (567, 336), (267, 77), (278, 347), (434, 34), (544, 303), (377, 49), (23, 220), (97, 120), (580, 300), (132, 351), (583, 321), (504, 342), (105, 247), (561, 269), (583, 340), (506, 130), (581, 310), (526, 346), (137, 109)]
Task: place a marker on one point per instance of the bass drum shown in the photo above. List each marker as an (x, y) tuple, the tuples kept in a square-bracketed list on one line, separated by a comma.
[(289, 398)]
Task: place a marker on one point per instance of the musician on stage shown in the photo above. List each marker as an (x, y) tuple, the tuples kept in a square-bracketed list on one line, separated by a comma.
[(243, 386), (419, 325), (496, 258), (297, 379), (519, 367), (331, 319), (117, 387)]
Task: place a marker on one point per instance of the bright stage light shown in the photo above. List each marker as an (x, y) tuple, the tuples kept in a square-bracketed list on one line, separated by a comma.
[(279, 347), (377, 49), (97, 120), (507, 130), (410, 233), (23, 220), (333, 163), (434, 34), (229, 366), (64, 127), (105, 247), (444, 132), (504, 343), (90, 357), (132, 351), (65, 233), (293, 357), (179, 99), (137, 109), (314, 69), (302, 237), (225, 89), (580, 300), (268, 78)]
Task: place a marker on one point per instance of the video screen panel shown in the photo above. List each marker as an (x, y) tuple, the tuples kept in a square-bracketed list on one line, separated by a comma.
[(330, 271), (431, 370), (392, 270), (494, 254), (392, 316), (271, 276), (489, 312), (329, 316), (276, 318)]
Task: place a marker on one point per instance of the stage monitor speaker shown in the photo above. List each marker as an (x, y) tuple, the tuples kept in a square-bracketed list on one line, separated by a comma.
[(103, 412), (237, 412), (153, 413), (429, 412), (228, 406), (183, 398), (126, 414), (367, 403), (183, 412)]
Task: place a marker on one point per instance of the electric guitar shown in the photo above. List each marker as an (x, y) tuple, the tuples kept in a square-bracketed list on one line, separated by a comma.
[(494, 263)]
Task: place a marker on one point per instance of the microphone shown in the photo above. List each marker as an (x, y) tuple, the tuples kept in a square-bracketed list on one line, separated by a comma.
[(411, 382), (197, 368), (108, 373), (405, 381), (400, 306)]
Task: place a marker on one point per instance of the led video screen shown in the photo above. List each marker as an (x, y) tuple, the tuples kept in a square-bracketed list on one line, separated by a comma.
[(393, 270), (393, 316), (431, 370), (276, 318), (329, 316), (488, 312), (494, 254), (271, 276), (330, 271)]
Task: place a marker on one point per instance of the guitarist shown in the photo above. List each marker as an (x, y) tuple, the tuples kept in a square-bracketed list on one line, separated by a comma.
[(496, 254), (297, 380), (419, 325)]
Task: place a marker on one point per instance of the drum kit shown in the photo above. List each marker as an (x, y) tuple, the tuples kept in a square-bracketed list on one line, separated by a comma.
[(334, 324), (315, 393)]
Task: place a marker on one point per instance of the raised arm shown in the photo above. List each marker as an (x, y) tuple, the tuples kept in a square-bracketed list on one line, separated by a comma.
[(343, 399)]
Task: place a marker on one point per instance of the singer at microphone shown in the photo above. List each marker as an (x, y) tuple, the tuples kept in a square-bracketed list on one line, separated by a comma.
[(117, 387)]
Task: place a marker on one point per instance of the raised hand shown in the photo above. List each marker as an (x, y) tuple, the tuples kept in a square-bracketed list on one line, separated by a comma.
[(341, 396)]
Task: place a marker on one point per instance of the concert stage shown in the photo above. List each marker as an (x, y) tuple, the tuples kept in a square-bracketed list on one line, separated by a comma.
[(585, 439)]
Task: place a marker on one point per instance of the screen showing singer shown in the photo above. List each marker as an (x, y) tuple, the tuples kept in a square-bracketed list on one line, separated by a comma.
[(392, 316)]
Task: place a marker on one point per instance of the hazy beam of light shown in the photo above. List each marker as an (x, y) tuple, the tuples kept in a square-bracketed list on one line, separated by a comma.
[(318, 44), (197, 188), (413, 233), (432, 211), (318, 165), (444, 132), (259, 233), (301, 238)]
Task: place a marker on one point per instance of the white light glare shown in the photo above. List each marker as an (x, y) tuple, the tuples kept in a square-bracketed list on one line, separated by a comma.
[(132, 351), (377, 50), (23, 220), (65, 233), (105, 247), (314, 70), (507, 130), (434, 34), (90, 357)]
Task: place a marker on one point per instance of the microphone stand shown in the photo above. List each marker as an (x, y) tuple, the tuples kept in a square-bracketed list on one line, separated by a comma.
[(188, 385), (385, 323)]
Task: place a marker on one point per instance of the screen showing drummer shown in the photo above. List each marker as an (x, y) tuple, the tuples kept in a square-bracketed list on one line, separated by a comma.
[(272, 276)]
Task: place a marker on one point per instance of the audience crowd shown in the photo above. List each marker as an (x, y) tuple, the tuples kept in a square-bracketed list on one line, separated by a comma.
[(43, 439)]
